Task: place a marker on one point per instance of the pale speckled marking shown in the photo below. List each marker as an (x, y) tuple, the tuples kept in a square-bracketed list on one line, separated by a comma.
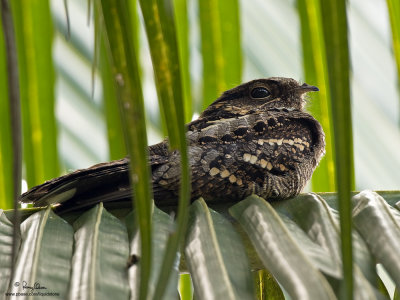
[(210, 127), (214, 171), (269, 166), (290, 142), (279, 142), (232, 178), (246, 157), (260, 142), (298, 141), (239, 181), (228, 156), (163, 182), (263, 163), (282, 167), (222, 120), (224, 174), (253, 159), (300, 146)]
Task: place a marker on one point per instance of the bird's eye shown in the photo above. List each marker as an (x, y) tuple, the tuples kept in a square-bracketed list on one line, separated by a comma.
[(259, 92)]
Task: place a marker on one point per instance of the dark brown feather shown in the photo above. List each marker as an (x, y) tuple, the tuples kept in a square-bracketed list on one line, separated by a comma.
[(248, 141)]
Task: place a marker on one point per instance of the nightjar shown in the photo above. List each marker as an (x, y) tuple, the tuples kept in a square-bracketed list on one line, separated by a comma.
[(255, 138)]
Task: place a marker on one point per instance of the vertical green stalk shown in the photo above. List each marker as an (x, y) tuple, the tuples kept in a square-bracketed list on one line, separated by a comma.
[(125, 70), (211, 49), (6, 136), (34, 32), (394, 15), (229, 21), (316, 73), (162, 35), (160, 29), (15, 118), (220, 47), (115, 132), (337, 53), (14, 106), (182, 32)]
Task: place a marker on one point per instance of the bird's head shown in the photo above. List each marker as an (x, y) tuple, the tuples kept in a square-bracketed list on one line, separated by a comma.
[(262, 94)]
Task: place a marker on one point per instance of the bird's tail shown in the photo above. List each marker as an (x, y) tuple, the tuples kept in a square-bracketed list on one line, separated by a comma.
[(105, 182)]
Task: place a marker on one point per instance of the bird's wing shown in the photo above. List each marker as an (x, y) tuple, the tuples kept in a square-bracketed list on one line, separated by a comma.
[(228, 156)]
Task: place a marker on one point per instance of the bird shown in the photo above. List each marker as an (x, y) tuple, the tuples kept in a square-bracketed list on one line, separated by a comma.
[(256, 138)]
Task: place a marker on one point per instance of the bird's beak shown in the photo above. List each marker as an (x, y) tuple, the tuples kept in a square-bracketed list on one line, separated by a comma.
[(304, 88)]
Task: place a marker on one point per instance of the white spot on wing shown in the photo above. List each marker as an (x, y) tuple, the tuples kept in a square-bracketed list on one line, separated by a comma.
[(232, 178), (225, 173), (246, 157), (253, 159), (214, 171)]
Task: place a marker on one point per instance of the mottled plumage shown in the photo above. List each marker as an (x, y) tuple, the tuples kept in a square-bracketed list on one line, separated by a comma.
[(255, 138)]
